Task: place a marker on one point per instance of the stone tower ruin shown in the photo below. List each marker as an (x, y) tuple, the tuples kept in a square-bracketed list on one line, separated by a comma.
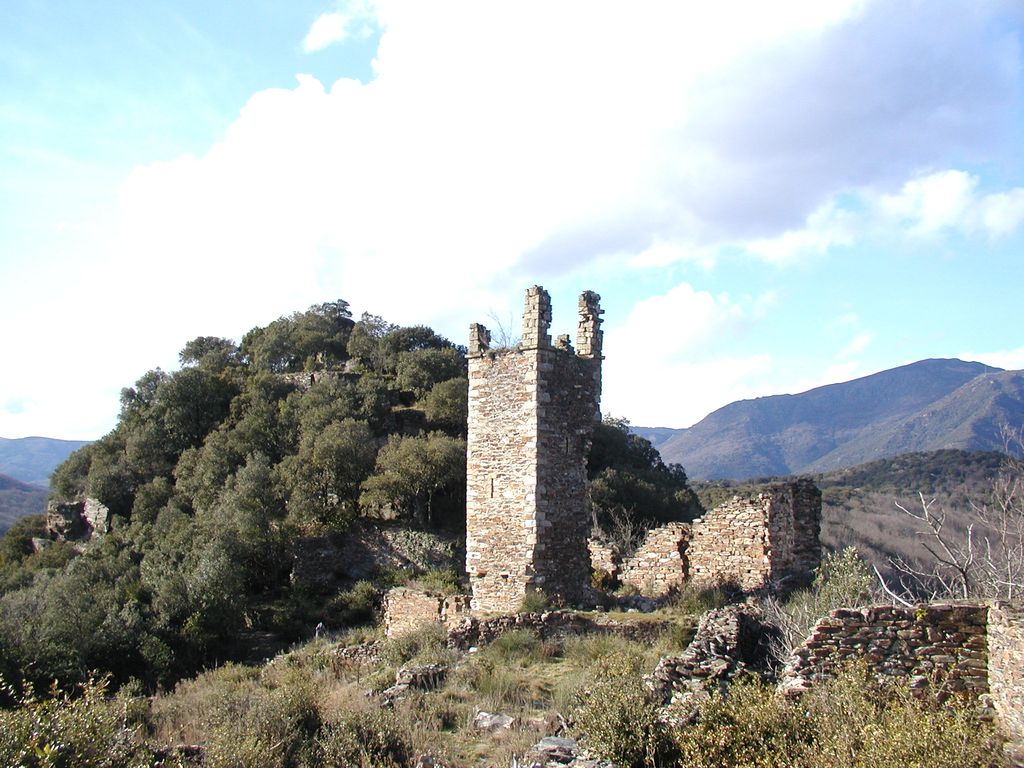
[(532, 410)]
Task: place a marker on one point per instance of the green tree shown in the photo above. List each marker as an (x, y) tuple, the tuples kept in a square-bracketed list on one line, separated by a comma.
[(629, 477), (210, 353), (413, 472), (419, 370), (324, 477), (446, 406)]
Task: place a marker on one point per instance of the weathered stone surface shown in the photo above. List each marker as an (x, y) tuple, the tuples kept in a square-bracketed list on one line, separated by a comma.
[(487, 721), (660, 564), (407, 609), (77, 521), (926, 642), (604, 560), (1006, 666), (532, 411), (769, 540), (728, 641)]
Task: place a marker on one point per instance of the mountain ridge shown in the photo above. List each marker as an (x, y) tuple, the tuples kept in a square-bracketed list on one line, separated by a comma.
[(926, 405)]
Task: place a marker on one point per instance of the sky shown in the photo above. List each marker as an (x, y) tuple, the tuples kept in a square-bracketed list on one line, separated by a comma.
[(768, 196)]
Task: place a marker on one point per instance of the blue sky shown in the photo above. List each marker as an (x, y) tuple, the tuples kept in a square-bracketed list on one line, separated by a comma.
[(768, 197)]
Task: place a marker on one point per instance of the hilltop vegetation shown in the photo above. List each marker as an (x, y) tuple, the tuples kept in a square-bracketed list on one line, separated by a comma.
[(217, 473)]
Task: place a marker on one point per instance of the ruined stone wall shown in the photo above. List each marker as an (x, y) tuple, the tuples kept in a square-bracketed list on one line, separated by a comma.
[(407, 609), (77, 521), (531, 415), (794, 528), (731, 542), (604, 560), (945, 643), (1006, 666), (771, 538), (661, 563)]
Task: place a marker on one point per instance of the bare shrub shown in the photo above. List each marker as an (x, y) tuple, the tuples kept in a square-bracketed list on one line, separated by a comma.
[(986, 559), (842, 581)]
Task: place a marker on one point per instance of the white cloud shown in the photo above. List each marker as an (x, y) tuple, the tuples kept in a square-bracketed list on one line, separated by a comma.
[(500, 141), (665, 363), (358, 18), (924, 206), (509, 144), (1010, 359), (951, 200), (329, 28)]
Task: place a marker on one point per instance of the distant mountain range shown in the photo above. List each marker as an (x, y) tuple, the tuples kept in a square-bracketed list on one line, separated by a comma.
[(925, 406), (32, 459), (25, 467), (18, 499)]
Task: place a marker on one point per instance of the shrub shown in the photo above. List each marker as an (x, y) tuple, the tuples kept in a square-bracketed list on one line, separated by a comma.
[(618, 718), (842, 581), (852, 721), (369, 739), (520, 646), (443, 580), (696, 600), (356, 606), (59, 729), (859, 722), (257, 722), (535, 601), (425, 645), (748, 726)]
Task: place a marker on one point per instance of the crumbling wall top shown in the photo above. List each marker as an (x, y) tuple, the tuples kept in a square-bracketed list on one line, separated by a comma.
[(589, 336), (536, 318)]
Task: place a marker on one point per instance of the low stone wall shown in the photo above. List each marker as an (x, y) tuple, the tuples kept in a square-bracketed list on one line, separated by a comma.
[(728, 641), (407, 609), (473, 631), (660, 564), (1006, 666), (945, 643)]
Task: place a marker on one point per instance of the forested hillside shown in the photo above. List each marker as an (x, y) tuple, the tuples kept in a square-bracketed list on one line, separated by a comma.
[(224, 476), (18, 499)]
